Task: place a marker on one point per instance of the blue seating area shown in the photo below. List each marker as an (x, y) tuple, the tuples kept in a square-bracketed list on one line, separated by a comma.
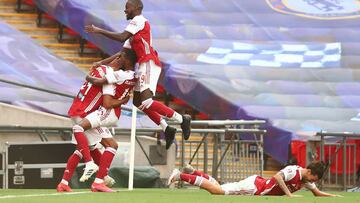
[(25, 62), (295, 65)]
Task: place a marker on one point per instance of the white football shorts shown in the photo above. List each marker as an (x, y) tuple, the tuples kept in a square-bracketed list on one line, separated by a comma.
[(98, 120), (148, 74), (243, 187)]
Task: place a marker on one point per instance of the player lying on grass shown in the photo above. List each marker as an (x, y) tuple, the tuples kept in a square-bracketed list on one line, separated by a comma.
[(93, 109), (285, 182)]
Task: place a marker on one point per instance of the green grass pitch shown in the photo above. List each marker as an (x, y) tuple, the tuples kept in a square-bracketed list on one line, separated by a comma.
[(160, 196)]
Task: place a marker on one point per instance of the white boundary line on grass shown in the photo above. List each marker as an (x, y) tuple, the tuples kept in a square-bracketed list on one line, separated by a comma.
[(43, 195), (52, 194)]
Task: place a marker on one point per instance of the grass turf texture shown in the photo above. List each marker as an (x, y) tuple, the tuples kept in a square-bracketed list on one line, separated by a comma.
[(161, 196)]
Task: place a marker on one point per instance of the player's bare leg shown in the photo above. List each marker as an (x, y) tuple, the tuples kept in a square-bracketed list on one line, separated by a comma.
[(203, 183), (99, 184), (90, 166)]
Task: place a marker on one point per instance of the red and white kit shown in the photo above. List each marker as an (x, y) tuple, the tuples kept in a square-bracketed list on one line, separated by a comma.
[(87, 103), (149, 68), (256, 185)]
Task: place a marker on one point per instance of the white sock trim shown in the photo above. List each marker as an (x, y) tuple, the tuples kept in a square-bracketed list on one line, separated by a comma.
[(198, 180), (78, 153), (111, 150), (163, 124), (78, 129), (146, 104), (64, 182), (177, 117), (98, 180)]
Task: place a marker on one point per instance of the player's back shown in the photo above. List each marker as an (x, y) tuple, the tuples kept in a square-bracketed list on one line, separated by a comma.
[(292, 179), (89, 97)]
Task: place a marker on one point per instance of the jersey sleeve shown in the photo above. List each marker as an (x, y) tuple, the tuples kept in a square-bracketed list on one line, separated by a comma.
[(109, 89), (310, 186), (289, 172), (135, 25), (127, 44), (119, 76)]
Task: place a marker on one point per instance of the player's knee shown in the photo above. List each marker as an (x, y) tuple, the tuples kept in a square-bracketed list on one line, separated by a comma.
[(114, 145), (137, 102)]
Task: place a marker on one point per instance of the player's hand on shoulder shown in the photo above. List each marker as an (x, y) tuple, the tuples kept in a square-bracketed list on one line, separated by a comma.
[(91, 29)]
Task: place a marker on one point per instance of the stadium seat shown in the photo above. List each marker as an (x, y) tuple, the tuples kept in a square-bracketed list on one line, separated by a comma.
[(28, 4), (87, 47), (70, 33), (41, 16)]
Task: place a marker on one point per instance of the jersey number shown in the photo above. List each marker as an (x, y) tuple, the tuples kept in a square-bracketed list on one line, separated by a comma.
[(86, 86)]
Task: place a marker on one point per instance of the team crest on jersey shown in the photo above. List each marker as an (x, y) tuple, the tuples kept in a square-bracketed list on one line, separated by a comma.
[(318, 9)]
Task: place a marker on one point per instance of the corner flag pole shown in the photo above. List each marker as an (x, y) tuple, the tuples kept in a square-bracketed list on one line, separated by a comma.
[(132, 148)]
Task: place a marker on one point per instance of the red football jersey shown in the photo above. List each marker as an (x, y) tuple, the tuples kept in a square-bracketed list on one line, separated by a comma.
[(119, 91), (141, 41), (292, 179), (89, 97)]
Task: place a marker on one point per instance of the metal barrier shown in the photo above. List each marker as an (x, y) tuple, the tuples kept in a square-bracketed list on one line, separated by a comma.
[(232, 157), (2, 170), (348, 175)]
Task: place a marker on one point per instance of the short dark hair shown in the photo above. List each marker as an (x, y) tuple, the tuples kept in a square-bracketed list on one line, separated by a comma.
[(130, 55), (317, 168), (137, 3)]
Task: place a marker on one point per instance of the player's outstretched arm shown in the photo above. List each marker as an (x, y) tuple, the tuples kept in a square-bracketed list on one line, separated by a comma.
[(109, 102), (279, 177), (319, 193), (96, 81), (122, 37)]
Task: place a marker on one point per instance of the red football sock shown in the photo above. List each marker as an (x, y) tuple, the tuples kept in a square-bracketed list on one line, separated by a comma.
[(96, 155), (105, 162), (155, 117), (82, 143), (200, 173), (188, 178), (161, 108), (71, 165)]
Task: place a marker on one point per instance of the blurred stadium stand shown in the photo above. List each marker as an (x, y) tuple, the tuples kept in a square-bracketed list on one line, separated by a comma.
[(246, 61)]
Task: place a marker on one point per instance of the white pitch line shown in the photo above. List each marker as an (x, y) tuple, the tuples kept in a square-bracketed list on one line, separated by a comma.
[(43, 195), (51, 194)]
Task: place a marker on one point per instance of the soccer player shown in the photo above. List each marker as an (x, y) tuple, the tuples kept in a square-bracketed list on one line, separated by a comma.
[(285, 182), (90, 116), (137, 36)]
